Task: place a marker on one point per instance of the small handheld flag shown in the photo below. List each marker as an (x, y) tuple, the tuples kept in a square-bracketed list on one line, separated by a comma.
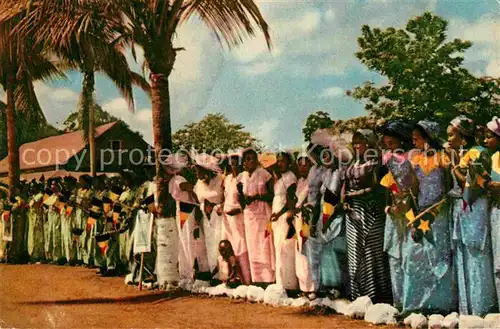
[(149, 203), (115, 193), (185, 209), (103, 242), (106, 204), (330, 200)]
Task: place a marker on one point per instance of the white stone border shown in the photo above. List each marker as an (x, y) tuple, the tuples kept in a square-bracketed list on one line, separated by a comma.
[(361, 308)]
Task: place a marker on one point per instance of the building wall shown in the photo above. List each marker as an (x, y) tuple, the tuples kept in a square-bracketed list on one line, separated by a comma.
[(133, 150)]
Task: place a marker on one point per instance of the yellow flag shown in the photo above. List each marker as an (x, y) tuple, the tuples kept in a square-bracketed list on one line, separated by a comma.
[(410, 215)]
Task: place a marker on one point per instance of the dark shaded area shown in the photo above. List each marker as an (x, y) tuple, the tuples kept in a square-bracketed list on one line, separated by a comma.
[(157, 297)]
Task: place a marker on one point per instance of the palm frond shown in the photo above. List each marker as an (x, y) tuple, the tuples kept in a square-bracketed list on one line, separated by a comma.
[(231, 20), (139, 81)]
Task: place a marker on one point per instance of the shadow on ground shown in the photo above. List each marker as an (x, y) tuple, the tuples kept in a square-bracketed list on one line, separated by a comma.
[(151, 298)]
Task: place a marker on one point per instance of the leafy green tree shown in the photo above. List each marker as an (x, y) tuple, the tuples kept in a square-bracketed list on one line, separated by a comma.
[(315, 121), (213, 132), (74, 120), (426, 79)]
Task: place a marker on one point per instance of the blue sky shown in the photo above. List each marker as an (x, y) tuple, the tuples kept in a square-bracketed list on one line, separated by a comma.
[(310, 67)]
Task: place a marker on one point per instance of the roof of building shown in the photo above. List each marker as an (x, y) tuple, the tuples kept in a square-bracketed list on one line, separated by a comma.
[(51, 151)]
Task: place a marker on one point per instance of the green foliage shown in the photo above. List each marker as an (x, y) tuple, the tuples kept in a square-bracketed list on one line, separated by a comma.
[(425, 76), (315, 121), (73, 122), (213, 132)]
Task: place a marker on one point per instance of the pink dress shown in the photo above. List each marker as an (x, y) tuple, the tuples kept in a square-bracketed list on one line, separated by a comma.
[(234, 227), (189, 247), (302, 265), (284, 248), (256, 216)]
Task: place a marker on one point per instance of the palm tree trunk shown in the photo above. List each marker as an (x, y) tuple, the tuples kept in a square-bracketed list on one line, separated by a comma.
[(87, 113), (162, 134), (11, 139), (92, 143)]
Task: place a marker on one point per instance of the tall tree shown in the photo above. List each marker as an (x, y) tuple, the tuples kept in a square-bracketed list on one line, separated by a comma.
[(213, 132), (315, 121), (425, 75), (152, 24), (20, 65)]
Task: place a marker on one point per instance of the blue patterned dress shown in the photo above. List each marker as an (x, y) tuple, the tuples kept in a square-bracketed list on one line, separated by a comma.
[(427, 264), (333, 256), (495, 222), (472, 249), (402, 174)]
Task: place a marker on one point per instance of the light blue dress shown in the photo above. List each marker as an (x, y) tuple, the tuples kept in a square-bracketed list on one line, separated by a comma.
[(395, 228), (495, 223), (428, 271), (333, 255), (473, 258), (312, 247)]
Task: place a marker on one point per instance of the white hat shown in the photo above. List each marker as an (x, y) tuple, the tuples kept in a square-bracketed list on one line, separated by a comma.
[(176, 161), (208, 162)]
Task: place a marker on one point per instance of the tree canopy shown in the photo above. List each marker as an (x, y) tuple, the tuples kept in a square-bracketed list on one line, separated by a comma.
[(213, 132), (315, 121), (74, 121), (425, 74)]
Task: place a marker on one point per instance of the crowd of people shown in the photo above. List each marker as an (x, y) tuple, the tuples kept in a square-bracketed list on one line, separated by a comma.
[(416, 225)]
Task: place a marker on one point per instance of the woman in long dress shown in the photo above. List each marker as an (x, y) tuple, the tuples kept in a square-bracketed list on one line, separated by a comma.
[(35, 230), (365, 218), (186, 204), (492, 142), (331, 231), (400, 183), (315, 179), (303, 221), (284, 201), (471, 233), (427, 258), (210, 194), (233, 222), (256, 194)]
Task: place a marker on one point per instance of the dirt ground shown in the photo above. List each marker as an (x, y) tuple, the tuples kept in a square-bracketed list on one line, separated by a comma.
[(45, 296)]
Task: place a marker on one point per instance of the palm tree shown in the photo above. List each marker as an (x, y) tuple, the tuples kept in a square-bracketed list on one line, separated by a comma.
[(20, 65), (152, 24), (82, 40)]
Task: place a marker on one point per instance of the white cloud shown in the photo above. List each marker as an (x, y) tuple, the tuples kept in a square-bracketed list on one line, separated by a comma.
[(493, 68), (484, 55), (257, 68), (266, 131), (313, 47), (329, 15), (56, 103), (141, 120), (332, 92)]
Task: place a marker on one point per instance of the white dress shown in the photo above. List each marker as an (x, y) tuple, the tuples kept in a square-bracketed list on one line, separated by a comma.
[(212, 222), (284, 248)]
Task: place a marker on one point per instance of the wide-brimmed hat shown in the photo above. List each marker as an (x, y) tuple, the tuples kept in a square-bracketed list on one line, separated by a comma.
[(208, 162), (176, 161), (494, 126)]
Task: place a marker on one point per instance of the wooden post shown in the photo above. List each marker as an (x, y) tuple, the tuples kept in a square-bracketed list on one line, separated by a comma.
[(140, 270)]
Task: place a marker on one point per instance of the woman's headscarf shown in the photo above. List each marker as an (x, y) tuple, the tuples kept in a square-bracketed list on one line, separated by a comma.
[(431, 128), (494, 126), (369, 135), (464, 125)]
